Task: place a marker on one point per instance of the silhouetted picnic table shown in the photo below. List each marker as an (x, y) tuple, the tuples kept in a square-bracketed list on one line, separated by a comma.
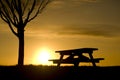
[(75, 56)]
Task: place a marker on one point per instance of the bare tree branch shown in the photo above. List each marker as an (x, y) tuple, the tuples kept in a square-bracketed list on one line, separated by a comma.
[(15, 20), (15, 33), (40, 9), (30, 11), (7, 12), (7, 21), (25, 6), (3, 16)]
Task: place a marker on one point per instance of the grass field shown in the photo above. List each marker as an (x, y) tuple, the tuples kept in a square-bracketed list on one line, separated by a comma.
[(31, 72)]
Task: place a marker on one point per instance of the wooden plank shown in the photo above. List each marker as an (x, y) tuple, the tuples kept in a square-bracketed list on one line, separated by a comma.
[(71, 50), (96, 60), (80, 50)]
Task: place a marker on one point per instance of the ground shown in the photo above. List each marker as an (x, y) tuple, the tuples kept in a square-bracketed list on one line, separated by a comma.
[(31, 72)]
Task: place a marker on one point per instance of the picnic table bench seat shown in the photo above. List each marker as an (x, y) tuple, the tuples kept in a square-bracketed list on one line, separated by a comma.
[(75, 60), (97, 60)]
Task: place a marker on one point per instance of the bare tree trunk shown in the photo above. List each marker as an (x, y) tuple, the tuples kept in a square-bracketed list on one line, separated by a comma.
[(17, 13), (21, 48)]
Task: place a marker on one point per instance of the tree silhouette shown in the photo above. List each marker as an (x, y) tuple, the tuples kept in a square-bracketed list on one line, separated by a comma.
[(17, 13)]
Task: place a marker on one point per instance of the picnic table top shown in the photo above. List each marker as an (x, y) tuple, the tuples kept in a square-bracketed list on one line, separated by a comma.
[(79, 50)]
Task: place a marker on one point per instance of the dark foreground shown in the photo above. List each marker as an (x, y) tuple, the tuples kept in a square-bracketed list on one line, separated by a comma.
[(62, 73)]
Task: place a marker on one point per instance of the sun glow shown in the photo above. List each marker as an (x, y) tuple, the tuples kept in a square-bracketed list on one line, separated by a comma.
[(42, 56)]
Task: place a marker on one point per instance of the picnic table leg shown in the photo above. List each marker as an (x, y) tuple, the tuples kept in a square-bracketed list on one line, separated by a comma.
[(76, 64), (61, 57), (91, 57)]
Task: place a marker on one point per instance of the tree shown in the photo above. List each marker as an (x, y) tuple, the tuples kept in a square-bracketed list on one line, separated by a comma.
[(17, 13)]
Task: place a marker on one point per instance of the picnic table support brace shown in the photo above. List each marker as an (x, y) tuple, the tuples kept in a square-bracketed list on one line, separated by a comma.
[(61, 57), (91, 57), (76, 64)]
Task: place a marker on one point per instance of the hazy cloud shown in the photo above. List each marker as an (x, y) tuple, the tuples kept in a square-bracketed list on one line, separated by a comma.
[(91, 29), (104, 30), (85, 0), (62, 3)]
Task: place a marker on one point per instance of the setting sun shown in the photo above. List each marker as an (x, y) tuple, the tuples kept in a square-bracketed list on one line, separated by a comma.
[(42, 56)]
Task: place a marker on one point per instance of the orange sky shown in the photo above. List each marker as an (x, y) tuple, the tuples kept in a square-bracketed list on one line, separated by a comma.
[(68, 24)]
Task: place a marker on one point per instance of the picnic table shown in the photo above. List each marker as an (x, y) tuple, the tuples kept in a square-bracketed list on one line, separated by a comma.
[(71, 59)]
